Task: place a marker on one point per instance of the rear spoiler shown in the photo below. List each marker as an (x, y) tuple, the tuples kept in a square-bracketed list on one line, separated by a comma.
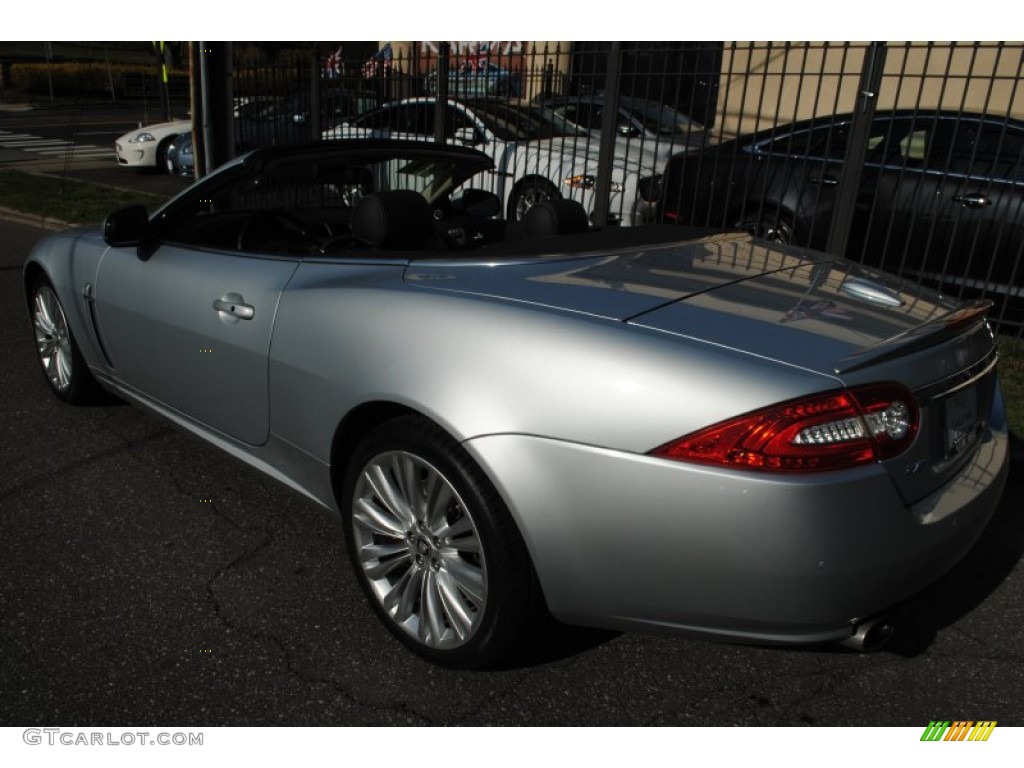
[(923, 336)]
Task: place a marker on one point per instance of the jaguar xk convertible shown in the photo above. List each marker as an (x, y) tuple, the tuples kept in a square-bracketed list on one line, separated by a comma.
[(649, 428)]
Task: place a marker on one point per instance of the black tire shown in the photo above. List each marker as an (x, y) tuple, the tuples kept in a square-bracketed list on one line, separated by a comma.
[(768, 225), (161, 154), (61, 360), (434, 547), (527, 193)]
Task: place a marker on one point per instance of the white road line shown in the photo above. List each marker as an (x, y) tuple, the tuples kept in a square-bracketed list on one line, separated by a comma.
[(79, 152), (27, 144), (53, 148), (45, 147)]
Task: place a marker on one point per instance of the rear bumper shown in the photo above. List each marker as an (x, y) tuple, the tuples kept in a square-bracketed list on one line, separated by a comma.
[(626, 541)]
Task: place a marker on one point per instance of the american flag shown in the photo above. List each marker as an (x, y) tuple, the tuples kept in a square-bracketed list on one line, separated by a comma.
[(379, 62)]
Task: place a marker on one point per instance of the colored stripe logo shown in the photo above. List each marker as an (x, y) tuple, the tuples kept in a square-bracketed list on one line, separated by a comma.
[(958, 730)]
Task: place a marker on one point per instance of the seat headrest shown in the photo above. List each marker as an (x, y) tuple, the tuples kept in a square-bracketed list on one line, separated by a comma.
[(555, 217), (398, 218)]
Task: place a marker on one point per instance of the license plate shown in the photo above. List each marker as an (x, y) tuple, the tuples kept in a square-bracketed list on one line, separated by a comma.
[(961, 411)]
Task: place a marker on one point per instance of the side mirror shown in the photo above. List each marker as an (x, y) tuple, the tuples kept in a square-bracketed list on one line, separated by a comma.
[(128, 226)]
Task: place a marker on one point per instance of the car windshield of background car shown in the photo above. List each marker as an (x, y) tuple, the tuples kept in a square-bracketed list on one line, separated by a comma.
[(663, 120), (510, 123)]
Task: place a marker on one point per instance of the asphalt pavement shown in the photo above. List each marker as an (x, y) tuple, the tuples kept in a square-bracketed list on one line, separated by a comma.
[(146, 578)]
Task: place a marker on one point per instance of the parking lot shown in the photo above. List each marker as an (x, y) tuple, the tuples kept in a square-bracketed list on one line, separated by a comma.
[(145, 578)]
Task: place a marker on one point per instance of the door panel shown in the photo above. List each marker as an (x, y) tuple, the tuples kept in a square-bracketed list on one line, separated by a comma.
[(167, 339)]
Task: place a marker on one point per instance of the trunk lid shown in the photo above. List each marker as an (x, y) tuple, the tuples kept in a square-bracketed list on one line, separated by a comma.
[(792, 306)]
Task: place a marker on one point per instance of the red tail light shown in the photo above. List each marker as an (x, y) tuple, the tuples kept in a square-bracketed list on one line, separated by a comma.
[(814, 434)]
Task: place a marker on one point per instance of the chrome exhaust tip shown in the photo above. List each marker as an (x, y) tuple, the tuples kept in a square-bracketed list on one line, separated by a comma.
[(870, 635)]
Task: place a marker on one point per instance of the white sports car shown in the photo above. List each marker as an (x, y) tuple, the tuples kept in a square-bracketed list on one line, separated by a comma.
[(537, 155), (146, 146)]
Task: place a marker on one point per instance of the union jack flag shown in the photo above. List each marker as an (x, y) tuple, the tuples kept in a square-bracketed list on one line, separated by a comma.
[(476, 60), (332, 65)]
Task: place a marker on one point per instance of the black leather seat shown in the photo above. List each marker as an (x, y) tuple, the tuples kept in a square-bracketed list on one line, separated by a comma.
[(395, 219), (555, 217)]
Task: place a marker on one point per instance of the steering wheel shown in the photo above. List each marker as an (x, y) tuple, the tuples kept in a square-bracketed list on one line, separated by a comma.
[(275, 226)]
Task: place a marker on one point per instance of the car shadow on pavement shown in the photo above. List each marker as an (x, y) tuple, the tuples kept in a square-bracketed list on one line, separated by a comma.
[(985, 567), (551, 641)]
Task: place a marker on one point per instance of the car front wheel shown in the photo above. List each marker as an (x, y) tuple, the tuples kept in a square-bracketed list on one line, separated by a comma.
[(62, 362), (163, 163), (434, 546)]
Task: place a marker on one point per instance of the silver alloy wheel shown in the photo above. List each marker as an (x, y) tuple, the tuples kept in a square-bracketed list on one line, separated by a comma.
[(532, 195), (419, 549), (53, 340)]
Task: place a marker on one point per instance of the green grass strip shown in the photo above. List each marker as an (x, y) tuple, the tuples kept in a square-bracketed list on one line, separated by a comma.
[(70, 200)]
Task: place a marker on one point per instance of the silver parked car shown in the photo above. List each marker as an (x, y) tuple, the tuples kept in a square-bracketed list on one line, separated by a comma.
[(644, 428)]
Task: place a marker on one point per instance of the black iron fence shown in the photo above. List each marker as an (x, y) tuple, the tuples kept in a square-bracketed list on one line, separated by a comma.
[(906, 156)]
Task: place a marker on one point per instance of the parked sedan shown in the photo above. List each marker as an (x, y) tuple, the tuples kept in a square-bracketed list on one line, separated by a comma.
[(537, 155), (637, 428), (641, 120), (268, 122), (145, 148), (940, 199)]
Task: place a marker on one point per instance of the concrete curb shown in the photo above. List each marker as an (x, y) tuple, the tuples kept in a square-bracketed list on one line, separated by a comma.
[(47, 223)]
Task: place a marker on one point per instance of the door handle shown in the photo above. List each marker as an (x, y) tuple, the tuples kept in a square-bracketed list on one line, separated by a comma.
[(236, 308), (972, 200), (828, 181)]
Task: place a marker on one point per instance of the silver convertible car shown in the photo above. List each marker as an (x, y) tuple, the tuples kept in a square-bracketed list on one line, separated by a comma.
[(649, 428)]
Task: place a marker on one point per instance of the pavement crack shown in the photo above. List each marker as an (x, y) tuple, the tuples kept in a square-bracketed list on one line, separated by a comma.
[(290, 663), (41, 478)]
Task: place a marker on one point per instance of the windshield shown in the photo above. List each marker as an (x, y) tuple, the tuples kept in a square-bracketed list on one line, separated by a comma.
[(661, 119), (513, 122)]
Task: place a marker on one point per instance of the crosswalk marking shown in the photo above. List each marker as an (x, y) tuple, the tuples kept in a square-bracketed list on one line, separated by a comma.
[(50, 147)]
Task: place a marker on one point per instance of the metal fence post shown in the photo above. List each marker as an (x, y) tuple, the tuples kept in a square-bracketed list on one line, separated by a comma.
[(856, 149), (609, 122), (314, 96), (217, 113), (441, 106)]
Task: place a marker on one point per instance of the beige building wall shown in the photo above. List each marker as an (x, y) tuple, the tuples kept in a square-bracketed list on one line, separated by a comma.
[(765, 84)]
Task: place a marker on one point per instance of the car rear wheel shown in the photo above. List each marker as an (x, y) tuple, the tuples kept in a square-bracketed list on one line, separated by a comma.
[(62, 362), (529, 193), (434, 547), (768, 225)]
